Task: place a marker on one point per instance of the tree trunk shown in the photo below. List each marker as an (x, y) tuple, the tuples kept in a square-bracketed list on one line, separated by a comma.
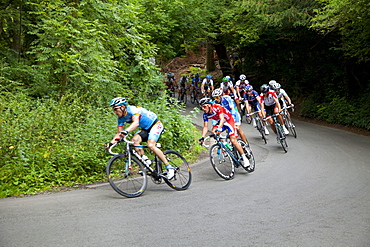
[(210, 60), (223, 59)]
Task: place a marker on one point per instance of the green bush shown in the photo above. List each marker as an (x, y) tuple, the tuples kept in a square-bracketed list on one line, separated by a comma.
[(339, 111)]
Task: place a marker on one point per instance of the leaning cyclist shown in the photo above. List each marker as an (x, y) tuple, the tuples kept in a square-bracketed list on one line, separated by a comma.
[(151, 129), (252, 101), (227, 87), (207, 85), (224, 121), (282, 96), (270, 103), (240, 88), (227, 102), (183, 83), (195, 80)]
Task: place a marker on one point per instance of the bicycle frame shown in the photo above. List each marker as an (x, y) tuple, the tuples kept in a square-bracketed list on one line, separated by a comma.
[(230, 152), (130, 150)]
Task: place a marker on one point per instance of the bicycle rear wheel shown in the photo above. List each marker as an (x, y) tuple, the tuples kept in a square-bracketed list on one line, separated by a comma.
[(129, 181), (282, 138), (221, 162), (182, 178), (248, 151)]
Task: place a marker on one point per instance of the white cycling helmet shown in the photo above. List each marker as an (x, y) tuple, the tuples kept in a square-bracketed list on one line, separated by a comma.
[(242, 77), (218, 92), (116, 102)]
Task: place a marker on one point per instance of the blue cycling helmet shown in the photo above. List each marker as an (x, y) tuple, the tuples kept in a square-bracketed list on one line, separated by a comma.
[(118, 102), (208, 76), (249, 88)]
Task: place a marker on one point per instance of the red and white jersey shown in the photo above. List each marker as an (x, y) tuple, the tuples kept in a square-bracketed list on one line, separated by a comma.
[(269, 99), (241, 84), (216, 110)]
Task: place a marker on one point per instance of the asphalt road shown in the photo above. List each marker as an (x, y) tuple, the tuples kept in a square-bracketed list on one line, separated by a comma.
[(317, 194)]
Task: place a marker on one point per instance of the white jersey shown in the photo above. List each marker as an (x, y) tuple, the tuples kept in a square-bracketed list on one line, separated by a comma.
[(207, 83), (281, 93)]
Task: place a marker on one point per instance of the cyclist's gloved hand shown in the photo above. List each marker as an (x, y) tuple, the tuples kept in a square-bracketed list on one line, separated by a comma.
[(264, 119), (219, 130), (292, 105), (201, 140), (108, 145), (124, 133)]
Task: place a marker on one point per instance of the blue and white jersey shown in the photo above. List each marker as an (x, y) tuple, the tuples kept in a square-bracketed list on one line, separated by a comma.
[(228, 103), (147, 118), (251, 97)]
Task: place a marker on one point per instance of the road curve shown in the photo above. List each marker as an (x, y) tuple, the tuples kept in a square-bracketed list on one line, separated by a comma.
[(317, 194)]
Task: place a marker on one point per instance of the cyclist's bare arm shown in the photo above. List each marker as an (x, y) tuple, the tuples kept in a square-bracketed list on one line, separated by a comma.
[(205, 129)]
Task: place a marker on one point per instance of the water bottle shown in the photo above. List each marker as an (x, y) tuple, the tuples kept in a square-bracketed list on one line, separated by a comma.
[(146, 160), (228, 146)]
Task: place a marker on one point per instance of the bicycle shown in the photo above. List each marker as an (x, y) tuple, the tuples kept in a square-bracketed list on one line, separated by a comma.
[(225, 159), (288, 121), (182, 95), (128, 172), (280, 131), (259, 125), (194, 96)]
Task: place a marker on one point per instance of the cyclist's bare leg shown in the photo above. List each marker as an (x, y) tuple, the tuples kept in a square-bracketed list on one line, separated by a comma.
[(238, 106), (152, 146), (137, 140), (273, 127), (241, 133), (236, 145), (248, 107)]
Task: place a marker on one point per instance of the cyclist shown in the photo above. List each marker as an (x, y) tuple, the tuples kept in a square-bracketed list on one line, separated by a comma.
[(182, 84), (227, 87), (171, 81), (224, 121), (252, 100), (227, 102), (195, 81), (270, 102), (240, 88), (207, 85), (151, 129), (282, 96)]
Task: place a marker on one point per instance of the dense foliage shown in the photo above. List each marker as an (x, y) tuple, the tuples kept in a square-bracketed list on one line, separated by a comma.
[(61, 61)]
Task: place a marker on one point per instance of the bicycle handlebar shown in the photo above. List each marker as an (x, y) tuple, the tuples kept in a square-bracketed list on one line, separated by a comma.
[(251, 114), (158, 145), (280, 112), (115, 144)]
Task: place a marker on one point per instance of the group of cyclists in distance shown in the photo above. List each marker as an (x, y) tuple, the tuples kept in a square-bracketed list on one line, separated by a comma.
[(233, 96)]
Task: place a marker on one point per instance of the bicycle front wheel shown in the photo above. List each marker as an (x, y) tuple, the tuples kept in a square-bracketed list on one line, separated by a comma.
[(127, 180), (182, 178), (192, 97), (221, 162), (290, 126), (261, 130)]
